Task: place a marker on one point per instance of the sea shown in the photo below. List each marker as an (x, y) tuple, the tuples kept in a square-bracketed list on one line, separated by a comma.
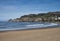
[(9, 26)]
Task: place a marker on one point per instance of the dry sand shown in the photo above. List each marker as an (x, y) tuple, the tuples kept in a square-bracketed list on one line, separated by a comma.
[(50, 34)]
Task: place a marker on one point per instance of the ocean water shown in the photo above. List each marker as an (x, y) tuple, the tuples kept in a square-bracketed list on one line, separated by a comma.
[(6, 26)]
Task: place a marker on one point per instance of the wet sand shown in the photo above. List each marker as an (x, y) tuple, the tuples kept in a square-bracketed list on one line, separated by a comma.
[(50, 34)]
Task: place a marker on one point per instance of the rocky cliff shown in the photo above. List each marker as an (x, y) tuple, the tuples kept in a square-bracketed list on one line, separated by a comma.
[(50, 16)]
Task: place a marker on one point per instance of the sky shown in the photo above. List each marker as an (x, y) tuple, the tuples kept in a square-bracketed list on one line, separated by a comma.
[(11, 9)]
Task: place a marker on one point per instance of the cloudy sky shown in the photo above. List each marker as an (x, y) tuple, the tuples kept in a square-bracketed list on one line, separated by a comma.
[(16, 8)]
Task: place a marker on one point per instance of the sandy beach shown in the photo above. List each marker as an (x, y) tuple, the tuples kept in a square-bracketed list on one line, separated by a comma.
[(50, 34)]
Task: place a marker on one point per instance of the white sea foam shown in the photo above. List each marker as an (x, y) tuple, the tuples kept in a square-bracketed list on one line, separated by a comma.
[(29, 26), (35, 25), (41, 25)]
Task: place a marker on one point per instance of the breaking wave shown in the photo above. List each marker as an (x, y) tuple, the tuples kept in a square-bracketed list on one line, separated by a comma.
[(24, 25)]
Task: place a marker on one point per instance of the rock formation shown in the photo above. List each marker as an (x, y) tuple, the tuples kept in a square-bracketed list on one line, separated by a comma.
[(50, 16)]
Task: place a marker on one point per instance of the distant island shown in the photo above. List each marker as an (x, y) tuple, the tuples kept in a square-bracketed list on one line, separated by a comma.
[(41, 17)]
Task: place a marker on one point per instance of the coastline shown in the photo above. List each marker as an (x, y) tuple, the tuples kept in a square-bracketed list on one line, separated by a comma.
[(57, 26), (50, 34)]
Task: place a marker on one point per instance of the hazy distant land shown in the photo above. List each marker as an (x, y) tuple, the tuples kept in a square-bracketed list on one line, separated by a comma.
[(41, 17)]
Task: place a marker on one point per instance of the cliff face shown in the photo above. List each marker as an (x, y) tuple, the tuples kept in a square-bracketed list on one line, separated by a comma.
[(50, 16), (26, 19)]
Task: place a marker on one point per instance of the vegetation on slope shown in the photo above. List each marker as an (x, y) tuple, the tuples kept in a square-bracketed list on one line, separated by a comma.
[(44, 17)]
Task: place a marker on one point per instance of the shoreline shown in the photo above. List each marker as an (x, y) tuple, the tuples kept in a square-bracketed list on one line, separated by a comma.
[(32, 28), (50, 34)]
